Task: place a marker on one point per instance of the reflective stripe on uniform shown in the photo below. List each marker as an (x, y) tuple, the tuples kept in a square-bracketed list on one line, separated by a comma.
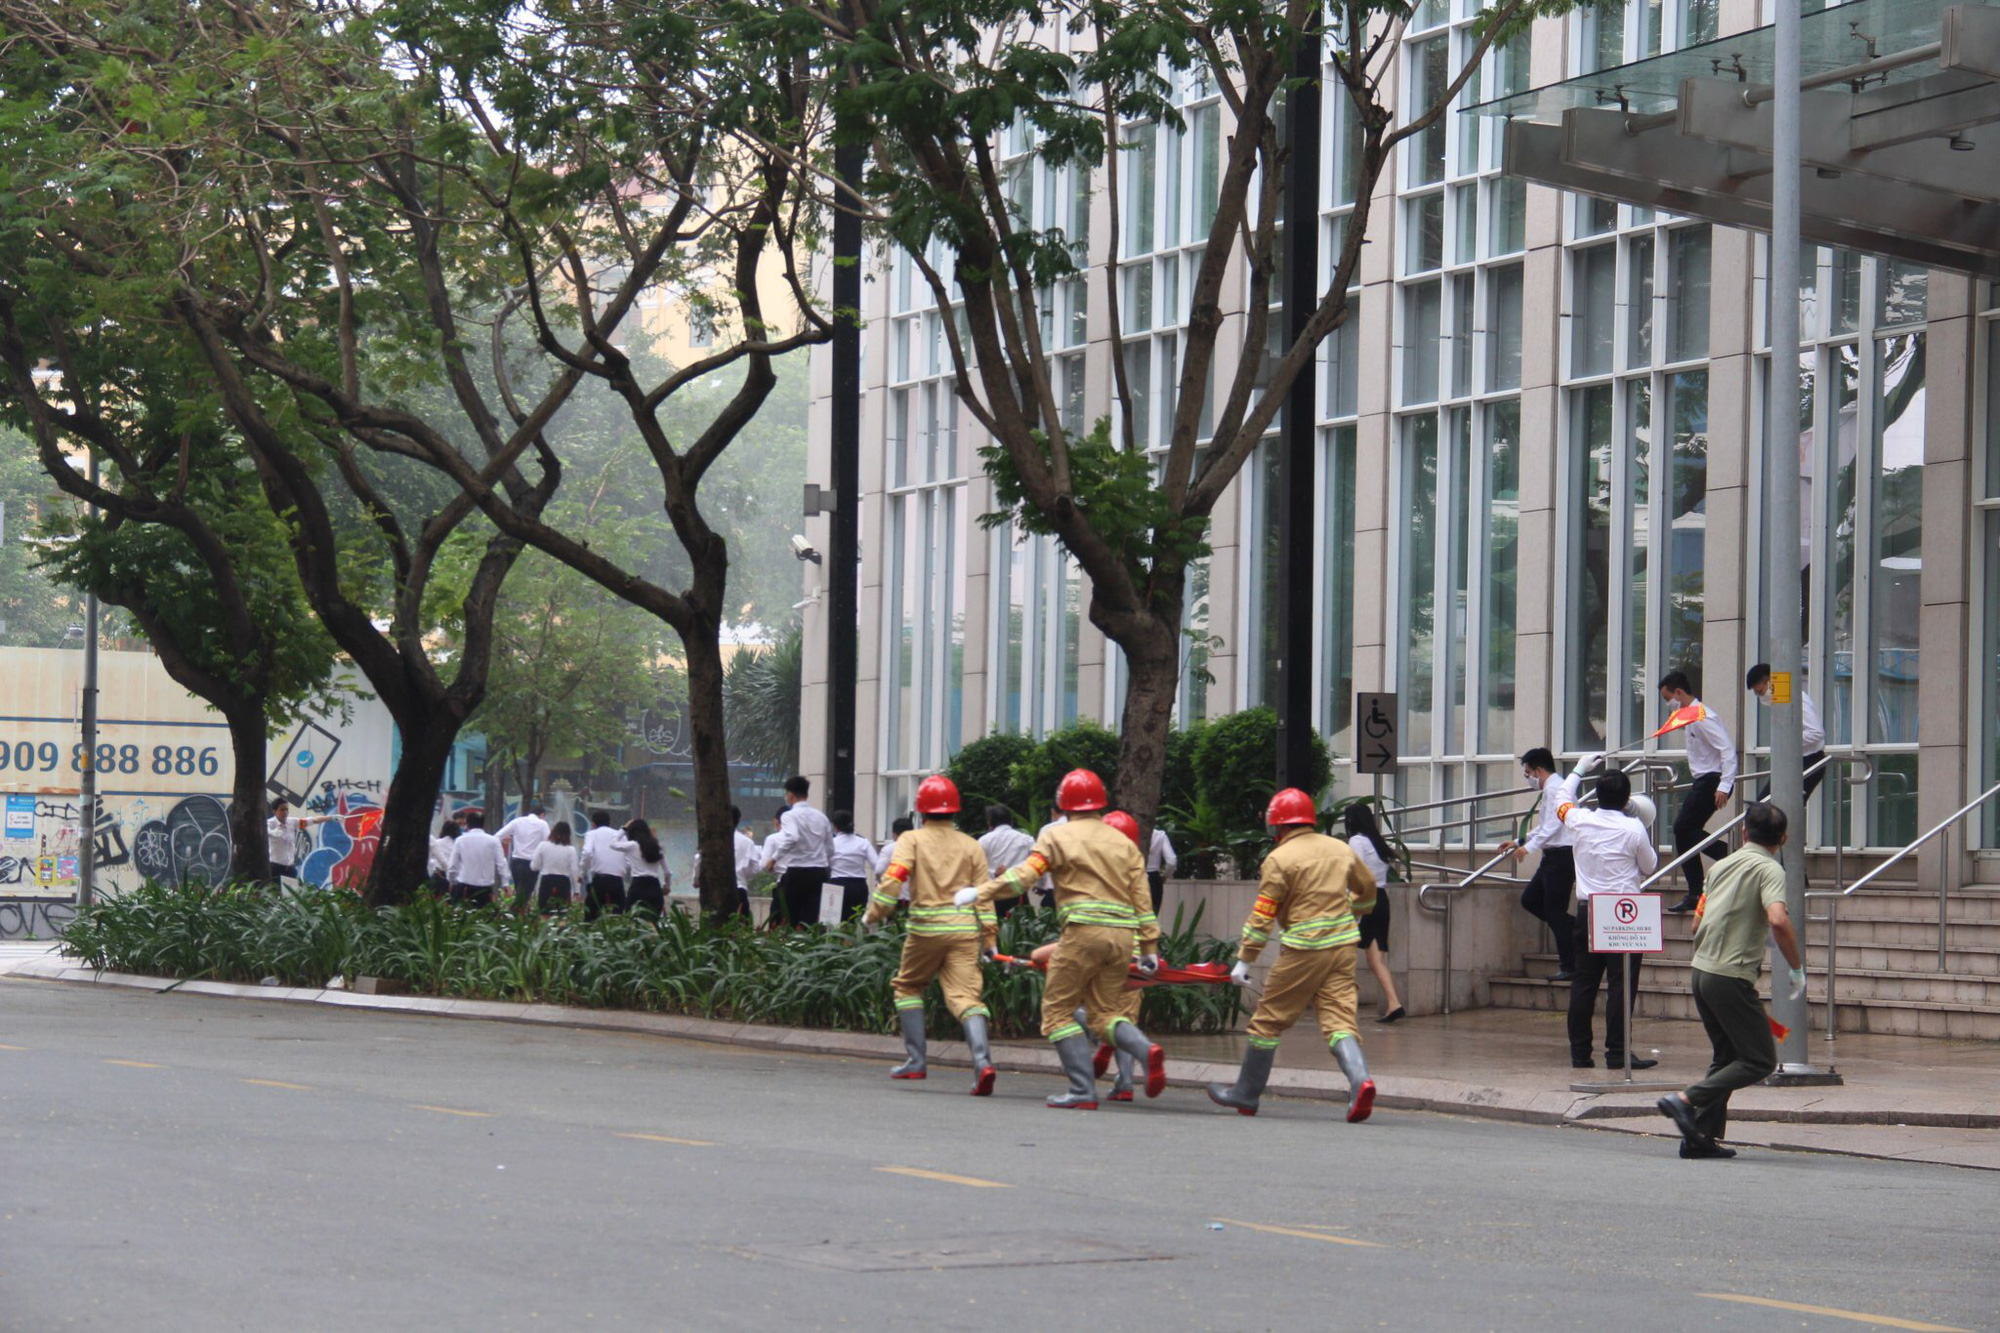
[(1066, 1031), (1324, 932), (909, 1002), (1092, 912), (946, 920)]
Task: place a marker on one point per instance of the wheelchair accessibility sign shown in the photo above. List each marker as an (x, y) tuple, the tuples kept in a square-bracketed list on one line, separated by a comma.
[(1626, 923)]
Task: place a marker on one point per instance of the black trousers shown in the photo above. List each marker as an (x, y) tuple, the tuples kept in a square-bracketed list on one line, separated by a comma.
[(1592, 971), (1690, 827), (1156, 882), (605, 893), (1547, 900), (552, 894), (523, 872), (472, 895), (1745, 1048), (853, 895), (1812, 779), (795, 902), (645, 891)]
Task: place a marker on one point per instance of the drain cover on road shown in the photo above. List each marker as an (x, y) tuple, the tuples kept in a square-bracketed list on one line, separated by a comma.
[(972, 1252)]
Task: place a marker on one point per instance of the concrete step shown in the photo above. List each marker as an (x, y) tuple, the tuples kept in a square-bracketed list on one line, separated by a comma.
[(1971, 949), (1949, 989), (1973, 935), (1657, 1000)]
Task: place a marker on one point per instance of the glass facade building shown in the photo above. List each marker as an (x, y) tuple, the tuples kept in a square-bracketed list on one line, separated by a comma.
[(1539, 481)]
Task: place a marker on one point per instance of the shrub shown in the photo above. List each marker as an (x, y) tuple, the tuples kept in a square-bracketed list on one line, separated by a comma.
[(817, 978), (1236, 762), (1083, 745), (984, 772), (1179, 786)]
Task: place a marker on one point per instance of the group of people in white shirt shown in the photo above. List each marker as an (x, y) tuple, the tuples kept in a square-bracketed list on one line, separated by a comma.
[(615, 869), (1610, 849)]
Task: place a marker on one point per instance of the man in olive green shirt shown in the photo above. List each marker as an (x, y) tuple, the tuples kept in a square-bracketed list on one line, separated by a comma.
[(1745, 901)]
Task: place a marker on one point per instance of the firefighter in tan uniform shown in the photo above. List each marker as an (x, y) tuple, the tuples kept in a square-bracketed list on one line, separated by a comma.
[(1105, 908), (945, 940), (1313, 891)]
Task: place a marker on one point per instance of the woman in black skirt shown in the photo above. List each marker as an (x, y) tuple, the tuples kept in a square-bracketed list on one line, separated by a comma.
[(647, 865), (554, 867), (1365, 837)]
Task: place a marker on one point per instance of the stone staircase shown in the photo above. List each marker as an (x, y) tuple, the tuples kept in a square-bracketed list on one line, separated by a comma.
[(1889, 977)]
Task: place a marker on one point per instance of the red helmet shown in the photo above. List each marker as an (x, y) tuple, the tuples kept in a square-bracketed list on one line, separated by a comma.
[(1125, 824), (1081, 790), (1291, 806), (937, 795)]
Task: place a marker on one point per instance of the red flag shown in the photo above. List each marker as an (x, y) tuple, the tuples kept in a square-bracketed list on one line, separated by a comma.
[(1682, 717), (1778, 1030)]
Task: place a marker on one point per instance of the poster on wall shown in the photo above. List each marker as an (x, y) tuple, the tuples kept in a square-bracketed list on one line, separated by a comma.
[(20, 818)]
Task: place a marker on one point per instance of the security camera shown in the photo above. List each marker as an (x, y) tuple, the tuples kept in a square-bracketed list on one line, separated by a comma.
[(803, 549)]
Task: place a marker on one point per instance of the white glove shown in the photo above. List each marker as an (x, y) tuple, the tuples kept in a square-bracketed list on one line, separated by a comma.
[(1798, 989), (965, 897), (1149, 964), (987, 953), (1592, 760), (1240, 973)]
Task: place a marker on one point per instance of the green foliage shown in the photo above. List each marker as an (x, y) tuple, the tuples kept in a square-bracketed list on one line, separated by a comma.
[(762, 695), (820, 978), (1236, 762), (984, 772), (36, 608), (1180, 785), (1083, 744)]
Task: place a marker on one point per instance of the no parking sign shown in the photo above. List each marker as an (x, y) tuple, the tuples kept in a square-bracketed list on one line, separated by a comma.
[(1626, 923)]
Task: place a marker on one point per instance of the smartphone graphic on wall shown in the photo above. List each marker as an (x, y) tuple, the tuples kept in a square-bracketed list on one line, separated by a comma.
[(298, 769)]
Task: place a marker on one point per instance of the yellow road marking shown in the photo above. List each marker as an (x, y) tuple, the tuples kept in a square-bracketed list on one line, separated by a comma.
[(945, 1176), (274, 1083), (1880, 1320), (132, 1064), (5, 1047), (664, 1138), (1302, 1234), (446, 1110)]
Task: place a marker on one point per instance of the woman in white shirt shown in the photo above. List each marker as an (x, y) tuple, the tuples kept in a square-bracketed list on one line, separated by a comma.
[(853, 864), (556, 873), (646, 867), (439, 881), (1365, 837)]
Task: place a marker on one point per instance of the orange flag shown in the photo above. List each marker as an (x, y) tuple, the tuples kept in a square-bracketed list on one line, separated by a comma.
[(1682, 717), (1778, 1030)]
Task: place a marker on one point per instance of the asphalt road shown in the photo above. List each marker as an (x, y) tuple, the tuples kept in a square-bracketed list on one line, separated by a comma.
[(174, 1162)]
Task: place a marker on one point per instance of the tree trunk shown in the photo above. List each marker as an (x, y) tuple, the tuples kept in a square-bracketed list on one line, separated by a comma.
[(249, 853), (1153, 673), (714, 833), (403, 854)]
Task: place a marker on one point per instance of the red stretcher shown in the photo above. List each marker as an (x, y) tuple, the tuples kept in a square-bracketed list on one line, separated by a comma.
[(1197, 974)]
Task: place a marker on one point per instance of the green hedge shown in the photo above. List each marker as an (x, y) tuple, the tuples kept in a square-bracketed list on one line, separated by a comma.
[(816, 978), (984, 772)]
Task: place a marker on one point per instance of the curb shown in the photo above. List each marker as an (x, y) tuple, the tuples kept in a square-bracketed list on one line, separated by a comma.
[(1395, 1092)]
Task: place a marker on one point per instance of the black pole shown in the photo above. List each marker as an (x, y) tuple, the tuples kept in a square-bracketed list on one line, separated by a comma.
[(1297, 493), (843, 563)]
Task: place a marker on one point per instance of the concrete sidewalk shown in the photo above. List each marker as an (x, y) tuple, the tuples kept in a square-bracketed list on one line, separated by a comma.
[(1907, 1098)]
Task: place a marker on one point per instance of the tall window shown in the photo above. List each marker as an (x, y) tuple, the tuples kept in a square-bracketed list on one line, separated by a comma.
[(1636, 467), (1986, 665), (926, 515), (1038, 613), (1168, 183), (1613, 35), (1458, 376), (1860, 383)]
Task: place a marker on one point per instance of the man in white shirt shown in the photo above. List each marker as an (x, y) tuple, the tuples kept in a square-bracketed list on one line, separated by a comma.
[(1711, 761), (1005, 847), (1161, 861), (281, 838), (1812, 731), (1614, 851), (477, 864), (1547, 894), (748, 860), (803, 860), (519, 837), (603, 868), (1046, 885)]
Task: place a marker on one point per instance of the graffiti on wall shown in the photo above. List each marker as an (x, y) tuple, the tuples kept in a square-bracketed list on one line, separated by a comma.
[(344, 846), (190, 846), (34, 918)]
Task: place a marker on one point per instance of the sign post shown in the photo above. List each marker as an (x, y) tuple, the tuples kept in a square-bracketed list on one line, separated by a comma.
[(1631, 924)]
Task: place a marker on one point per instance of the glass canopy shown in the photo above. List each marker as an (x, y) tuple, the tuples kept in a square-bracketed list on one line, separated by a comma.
[(1830, 39)]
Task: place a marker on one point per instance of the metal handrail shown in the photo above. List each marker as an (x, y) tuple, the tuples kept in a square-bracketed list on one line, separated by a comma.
[(1849, 759), (1424, 901), (1473, 798), (1944, 906), (1691, 853)]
